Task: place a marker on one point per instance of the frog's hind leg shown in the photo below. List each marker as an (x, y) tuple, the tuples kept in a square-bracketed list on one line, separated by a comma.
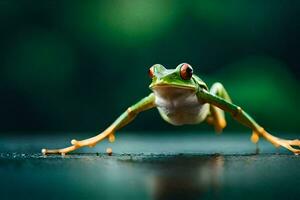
[(144, 104), (216, 116)]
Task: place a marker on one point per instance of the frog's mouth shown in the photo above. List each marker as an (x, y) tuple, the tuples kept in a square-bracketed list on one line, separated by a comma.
[(170, 91), (171, 86)]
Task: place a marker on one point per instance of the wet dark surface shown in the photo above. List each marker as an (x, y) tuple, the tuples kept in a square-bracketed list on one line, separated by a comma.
[(158, 166)]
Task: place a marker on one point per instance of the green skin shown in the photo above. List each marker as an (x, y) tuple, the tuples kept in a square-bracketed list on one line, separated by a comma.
[(179, 102)]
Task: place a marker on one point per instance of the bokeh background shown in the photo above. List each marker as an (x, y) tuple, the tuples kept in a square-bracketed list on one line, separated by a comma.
[(74, 66)]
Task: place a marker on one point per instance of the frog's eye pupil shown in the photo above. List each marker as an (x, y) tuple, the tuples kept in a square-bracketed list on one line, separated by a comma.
[(151, 72), (186, 72)]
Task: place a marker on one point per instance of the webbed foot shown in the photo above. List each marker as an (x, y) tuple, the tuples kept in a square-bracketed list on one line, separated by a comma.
[(277, 142), (289, 144), (219, 124), (76, 144)]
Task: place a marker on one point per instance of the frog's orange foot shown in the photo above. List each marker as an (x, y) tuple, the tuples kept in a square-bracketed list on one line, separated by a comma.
[(218, 124), (76, 144), (62, 151), (290, 145)]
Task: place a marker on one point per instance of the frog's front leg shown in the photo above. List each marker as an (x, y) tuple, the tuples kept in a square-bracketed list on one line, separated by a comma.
[(144, 104), (244, 118)]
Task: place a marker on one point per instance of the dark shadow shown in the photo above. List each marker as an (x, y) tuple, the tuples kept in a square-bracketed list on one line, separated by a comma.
[(184, 176)]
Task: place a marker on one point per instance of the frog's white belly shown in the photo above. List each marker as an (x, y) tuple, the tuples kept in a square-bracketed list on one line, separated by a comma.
[(179, 106)]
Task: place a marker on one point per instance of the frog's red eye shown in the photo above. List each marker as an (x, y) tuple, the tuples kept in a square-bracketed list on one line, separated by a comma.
[(151, 72), (186, 71)]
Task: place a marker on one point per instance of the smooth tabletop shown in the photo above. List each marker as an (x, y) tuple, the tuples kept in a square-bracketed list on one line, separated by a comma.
[(148, 166)]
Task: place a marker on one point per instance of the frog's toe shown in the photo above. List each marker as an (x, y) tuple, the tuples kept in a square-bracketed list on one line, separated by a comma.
[(290, 145), (73, 142), (294, 142)]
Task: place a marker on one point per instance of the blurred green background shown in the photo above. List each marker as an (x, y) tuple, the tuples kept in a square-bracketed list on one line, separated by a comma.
[(76, 65)]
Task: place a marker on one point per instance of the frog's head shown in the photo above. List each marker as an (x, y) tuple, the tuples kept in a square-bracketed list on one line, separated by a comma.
[(180, 77)]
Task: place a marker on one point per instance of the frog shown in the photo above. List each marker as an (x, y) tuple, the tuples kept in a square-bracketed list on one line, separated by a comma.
[(182, 98)]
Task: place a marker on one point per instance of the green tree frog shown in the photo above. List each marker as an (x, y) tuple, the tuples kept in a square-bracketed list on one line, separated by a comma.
[(183, 98)]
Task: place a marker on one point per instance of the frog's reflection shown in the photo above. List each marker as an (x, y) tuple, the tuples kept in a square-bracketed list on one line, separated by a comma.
[(185, 177)]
